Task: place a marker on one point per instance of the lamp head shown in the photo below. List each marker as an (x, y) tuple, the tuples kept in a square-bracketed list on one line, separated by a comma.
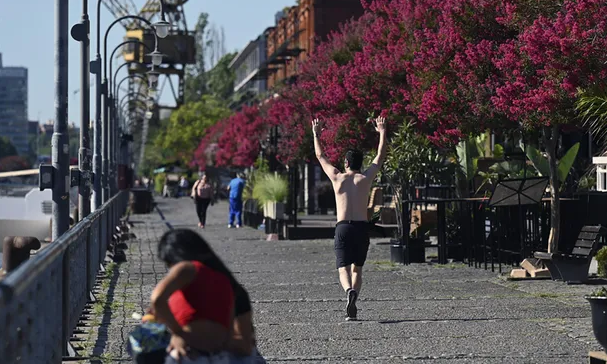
[(156, 57), (162, 28)]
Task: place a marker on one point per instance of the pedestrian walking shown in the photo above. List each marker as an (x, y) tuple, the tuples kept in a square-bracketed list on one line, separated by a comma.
[(235, 189), (183, 186), (351, 196), (202, 193), (165, 187)]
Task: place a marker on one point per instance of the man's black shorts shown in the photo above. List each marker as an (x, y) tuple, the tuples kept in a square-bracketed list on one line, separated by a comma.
[(351, 243)]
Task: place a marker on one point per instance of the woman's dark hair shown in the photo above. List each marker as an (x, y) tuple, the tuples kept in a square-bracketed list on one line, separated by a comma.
[(181, 245)]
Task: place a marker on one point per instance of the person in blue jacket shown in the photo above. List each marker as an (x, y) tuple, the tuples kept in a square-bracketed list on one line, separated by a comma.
[(235, 189)]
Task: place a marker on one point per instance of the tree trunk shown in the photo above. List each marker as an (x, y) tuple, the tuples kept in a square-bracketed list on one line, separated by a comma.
[(551, 137)]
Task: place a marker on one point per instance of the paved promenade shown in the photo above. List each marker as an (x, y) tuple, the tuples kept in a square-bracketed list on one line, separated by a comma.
[(416, 314)]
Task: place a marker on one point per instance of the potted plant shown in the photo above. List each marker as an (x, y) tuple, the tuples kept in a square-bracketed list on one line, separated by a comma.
[(410, 158), (598, 306), (601, 260), (271, 191)]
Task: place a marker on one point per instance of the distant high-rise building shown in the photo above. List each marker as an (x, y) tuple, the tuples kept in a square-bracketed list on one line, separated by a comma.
[(13, 106)]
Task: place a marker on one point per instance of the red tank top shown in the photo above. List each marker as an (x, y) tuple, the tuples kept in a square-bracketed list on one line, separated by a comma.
[(208, 297)]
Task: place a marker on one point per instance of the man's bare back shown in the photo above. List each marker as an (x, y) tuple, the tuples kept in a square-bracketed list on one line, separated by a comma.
[(351, 196)]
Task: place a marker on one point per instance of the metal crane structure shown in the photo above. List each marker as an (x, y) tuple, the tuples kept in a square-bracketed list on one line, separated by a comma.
[(178, 47)]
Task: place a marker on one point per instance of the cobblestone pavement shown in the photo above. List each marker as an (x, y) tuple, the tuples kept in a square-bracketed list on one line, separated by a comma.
[(418, 314)]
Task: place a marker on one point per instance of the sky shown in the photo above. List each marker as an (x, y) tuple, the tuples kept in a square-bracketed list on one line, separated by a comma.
[(27, 39)]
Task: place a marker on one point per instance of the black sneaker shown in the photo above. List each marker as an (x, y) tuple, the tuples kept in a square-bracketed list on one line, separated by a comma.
[(351, 309)]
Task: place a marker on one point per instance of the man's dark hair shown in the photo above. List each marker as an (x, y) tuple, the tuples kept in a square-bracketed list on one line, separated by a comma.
[(355, 159)]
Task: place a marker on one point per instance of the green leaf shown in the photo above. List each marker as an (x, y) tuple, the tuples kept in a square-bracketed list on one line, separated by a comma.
[(479, 143), (565, 164), (498, 151), (539, 161), (466, 162)]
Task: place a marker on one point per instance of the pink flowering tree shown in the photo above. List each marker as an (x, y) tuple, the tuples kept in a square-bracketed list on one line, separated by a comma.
[(238, 145), (205, 153), (560, 51)]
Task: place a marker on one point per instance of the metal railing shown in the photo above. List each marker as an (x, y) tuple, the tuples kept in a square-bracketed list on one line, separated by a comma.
[(42, 300)]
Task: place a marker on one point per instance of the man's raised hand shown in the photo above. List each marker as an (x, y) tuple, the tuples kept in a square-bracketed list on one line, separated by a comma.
[(380, 124), (316, 128)]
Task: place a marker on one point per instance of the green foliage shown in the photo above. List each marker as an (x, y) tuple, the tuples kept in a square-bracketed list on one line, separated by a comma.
[(187, 125), (564, 165), (410, 158), (270, 187), (601, 259), (592, 108), (587, 182), (261, 168), (599, 292), (220, 79), (159, 182), (467, 158), (7, 148), (498, 151)]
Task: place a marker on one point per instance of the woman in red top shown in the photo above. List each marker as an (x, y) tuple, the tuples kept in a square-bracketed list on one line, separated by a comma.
[(194, 300)]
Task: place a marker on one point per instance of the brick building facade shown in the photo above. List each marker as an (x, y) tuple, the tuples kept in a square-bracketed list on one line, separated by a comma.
[(298, 29)]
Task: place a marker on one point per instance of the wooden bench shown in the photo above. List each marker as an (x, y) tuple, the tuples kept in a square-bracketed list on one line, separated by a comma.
[(573, 267), (375, 202)]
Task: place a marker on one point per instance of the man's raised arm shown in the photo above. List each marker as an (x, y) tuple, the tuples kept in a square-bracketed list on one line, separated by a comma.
[(374, 168), (324, 163)]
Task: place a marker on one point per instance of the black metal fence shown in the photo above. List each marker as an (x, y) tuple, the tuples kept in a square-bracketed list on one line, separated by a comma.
[(471, 231), (42, 300)]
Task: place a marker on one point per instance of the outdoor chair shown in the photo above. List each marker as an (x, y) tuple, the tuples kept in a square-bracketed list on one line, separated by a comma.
[(573, 267)]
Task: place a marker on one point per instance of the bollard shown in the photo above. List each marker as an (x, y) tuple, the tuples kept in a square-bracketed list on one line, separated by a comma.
[(16, 250)]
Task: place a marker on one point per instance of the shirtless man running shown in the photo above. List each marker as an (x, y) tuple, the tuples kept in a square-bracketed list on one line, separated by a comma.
[(351, 197)]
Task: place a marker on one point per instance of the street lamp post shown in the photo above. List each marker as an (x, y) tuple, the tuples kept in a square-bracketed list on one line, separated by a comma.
[(117, 89), (100, 155), (109, 167), (95, 68), (80, 32), (57, 177), (114, 133)]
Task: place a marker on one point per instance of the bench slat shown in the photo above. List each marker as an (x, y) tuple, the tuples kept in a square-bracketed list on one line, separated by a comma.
[(587, 235), (584, 244), (592, 229), (581, 251)]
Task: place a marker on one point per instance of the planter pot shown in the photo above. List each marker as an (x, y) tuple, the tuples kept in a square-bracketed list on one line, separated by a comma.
[(417, 250), (274, 210), (598, 306), (397, 251)]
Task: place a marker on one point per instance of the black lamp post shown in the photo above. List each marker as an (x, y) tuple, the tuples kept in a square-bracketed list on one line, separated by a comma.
[(100, 137), (134, 96), (80, 32), (109, 167)]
